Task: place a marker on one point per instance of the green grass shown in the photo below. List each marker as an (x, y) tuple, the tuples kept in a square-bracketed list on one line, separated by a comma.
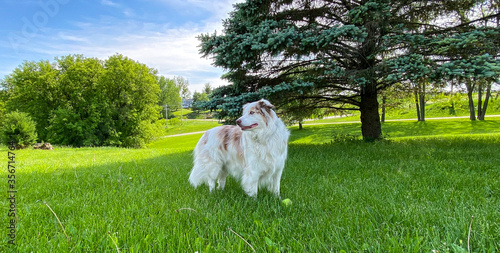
[(438, 105), (405, 194), (184, 112), (189, 126)]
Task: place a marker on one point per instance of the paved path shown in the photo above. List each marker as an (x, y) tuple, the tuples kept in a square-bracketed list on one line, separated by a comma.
[(347, 122), (175, 135), (391, 120)]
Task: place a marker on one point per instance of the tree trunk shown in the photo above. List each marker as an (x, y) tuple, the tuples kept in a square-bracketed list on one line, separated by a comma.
[(470, 89), (479, 99), (371, 128), (384, 100), (300, 125), (415, 91), (421, 96), (451, 92), (482, 113), (422, 107)]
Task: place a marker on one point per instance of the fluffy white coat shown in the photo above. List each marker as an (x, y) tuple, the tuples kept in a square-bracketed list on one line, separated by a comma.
[(253, 152)]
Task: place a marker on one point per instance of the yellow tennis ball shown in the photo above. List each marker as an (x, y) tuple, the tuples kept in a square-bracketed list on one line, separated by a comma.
[(286, 202)]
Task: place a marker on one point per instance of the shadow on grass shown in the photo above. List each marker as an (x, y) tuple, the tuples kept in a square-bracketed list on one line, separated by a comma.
[(148, 204), (144, 202)]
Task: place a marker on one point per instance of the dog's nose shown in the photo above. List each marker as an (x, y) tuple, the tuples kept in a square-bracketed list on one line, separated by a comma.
[(238, 121)]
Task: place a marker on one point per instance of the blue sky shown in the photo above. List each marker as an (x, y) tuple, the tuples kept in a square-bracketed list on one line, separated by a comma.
[(159, 33)]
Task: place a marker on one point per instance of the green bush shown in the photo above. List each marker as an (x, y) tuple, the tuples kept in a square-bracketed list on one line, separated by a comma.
[(68, 128), (344, 138), (98, 102), (159, 128), (18, 127), (174, 122), (145, 132)]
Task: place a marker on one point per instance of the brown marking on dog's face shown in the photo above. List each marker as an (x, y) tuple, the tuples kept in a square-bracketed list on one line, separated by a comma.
[(255, 113), (262, 108), (266, 106)]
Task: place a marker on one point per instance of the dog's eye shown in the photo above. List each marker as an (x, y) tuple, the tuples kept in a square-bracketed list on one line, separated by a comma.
[(252, 112)]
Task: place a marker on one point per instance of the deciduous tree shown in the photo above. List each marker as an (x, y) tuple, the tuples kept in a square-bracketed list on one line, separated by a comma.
[(170, 94), (85, 101)]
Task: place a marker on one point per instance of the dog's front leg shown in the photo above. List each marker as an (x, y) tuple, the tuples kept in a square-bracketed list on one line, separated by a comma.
[(274, 187), (250, 182)]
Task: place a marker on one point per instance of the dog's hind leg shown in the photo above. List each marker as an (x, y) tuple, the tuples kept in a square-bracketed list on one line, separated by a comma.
[(214, 174), (205, 171), (222, 179), (211, 185)]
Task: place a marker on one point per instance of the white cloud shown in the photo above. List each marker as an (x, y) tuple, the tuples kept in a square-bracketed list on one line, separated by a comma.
[(217, 7), (108, 2), (66, 37), (170, 48)]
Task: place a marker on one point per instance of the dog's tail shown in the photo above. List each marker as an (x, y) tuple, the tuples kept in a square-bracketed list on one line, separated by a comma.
[(197, 173), (195, 178)]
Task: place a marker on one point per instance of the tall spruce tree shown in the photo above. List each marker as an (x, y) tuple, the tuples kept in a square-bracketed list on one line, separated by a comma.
[(332, 54)]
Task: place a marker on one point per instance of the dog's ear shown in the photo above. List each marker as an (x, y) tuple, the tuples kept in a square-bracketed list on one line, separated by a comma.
[(265, 104)]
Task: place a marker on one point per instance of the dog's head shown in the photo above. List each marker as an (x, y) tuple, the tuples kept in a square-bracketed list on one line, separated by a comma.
[(256, 115)]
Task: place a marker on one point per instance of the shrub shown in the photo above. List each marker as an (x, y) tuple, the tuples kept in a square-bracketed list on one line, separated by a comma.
[(344, 138), (159, 128), (67, 127), (146, 132), (193, 115), (98, 102), (18, 127), (174, 121)]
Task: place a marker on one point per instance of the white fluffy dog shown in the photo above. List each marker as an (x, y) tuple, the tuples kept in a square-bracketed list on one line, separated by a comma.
[(253, 152)]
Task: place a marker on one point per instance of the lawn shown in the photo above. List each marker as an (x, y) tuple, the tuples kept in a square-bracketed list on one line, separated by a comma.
[(325, 132), (438, 105), (417, 191), (189, 126)]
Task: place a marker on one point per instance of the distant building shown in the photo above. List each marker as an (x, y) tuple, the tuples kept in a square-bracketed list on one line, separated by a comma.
[(187, 103)]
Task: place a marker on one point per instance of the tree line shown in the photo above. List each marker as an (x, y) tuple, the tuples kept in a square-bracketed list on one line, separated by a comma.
[(81, 101), (313, 57), (309, 57)]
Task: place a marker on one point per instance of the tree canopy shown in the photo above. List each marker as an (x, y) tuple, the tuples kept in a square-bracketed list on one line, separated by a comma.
[(82, 101), (338, 55), (170, 94)]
